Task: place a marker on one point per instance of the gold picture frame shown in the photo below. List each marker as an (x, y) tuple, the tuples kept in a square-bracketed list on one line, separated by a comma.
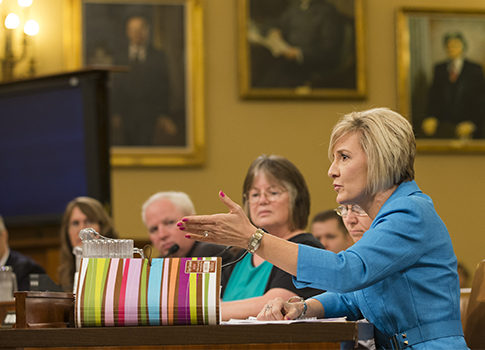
[(277, 60), (431, 94), (181, 128)]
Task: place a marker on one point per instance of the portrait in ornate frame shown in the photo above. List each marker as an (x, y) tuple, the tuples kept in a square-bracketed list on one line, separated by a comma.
[(156, 104), (441, 84), (301, 49)]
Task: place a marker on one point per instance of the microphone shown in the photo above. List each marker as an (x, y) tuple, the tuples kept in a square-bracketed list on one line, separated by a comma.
[(171, 250), (224, 250)]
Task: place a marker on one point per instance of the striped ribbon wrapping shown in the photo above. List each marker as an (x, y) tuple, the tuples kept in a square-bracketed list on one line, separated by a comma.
[(130, 292)]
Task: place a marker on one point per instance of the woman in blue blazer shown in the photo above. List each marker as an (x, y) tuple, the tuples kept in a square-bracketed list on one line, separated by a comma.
[(401, 276)]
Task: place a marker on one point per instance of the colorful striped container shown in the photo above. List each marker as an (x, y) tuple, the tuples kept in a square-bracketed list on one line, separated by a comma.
[(130, 292)]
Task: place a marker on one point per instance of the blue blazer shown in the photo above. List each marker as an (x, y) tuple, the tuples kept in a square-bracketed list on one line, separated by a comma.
[(401, 275)]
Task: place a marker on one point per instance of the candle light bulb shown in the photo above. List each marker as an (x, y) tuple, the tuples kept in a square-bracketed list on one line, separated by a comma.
[(12, 21), (25, 3), (31, 27)]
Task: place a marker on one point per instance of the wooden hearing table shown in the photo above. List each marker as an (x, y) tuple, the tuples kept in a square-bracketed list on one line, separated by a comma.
[(300, 335)]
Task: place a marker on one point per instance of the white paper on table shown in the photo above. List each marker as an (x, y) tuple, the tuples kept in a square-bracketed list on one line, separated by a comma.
[(253, 320)]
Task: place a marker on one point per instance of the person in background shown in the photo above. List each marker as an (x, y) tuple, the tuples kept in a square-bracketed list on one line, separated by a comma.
[(355, 219), (160, 214), (328, 227), (275, 198), (357, 223), (80, 213), (401, 276), (22, 265)]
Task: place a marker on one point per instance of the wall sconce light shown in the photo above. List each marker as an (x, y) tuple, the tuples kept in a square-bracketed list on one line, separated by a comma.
[(10, 60)]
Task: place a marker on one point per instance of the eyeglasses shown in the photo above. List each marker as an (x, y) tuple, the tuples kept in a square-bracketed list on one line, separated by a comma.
[(271, 195), (343, 210)]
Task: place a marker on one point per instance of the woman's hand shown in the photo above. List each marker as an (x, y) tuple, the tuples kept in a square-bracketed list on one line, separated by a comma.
[(233, 228), (279, 309)]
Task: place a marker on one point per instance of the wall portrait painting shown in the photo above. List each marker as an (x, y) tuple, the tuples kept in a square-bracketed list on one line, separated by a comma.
[(441, 59), (155, 103), (301, 49)]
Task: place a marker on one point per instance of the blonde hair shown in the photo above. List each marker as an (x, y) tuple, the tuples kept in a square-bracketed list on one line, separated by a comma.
[(388, 141)]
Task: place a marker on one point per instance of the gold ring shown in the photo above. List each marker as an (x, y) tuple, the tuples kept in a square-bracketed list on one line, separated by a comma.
[(267, 308), (206, 233)]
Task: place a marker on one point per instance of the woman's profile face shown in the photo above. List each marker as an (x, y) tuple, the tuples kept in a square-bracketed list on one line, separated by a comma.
[(269, 204), (349, 170), (77, 222)]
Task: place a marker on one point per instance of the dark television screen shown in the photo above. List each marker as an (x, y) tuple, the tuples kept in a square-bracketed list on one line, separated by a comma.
[(53, 145)]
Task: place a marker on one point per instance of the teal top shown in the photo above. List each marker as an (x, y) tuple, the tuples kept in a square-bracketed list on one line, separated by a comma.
[(253, 278)]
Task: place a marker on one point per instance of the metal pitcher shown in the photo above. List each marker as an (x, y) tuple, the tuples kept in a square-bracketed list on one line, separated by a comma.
[(8, 283)]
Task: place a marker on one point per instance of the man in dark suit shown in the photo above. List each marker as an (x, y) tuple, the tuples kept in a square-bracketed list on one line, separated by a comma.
[(22, 265), (456, 104), (140, 98)]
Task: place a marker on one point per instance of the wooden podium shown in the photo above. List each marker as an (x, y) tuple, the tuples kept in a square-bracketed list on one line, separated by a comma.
[(304, 335)]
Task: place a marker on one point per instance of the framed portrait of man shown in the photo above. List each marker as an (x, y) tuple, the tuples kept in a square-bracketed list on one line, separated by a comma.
[(441, 60), (155, 51), (301, 49)]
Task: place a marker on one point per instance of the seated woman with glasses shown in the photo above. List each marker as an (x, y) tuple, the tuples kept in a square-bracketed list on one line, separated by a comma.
[(275, 198), (355, 219)]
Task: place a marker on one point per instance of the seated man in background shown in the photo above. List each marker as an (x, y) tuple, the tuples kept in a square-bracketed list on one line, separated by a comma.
[(328, 227), (160, 214), (22, 265)]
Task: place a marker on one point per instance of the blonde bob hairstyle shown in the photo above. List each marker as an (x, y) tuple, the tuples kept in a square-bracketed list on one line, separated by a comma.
[(388, 141)]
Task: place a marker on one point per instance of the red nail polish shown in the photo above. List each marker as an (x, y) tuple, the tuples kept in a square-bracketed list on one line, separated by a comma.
[(187, 236), (179, 224), (185, 219), (181, 228), (222, 194)]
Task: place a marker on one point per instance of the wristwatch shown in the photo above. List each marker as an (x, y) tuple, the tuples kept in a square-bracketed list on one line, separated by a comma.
[(255, 240), (305, 306)]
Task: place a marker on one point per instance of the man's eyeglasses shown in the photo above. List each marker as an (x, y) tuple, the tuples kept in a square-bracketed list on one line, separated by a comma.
[(271, 195), (343, 210)]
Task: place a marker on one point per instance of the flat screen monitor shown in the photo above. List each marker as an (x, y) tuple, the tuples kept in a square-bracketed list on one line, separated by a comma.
[(54, 145)]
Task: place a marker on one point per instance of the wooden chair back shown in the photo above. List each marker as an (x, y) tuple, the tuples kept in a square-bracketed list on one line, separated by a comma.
[(475, 316)]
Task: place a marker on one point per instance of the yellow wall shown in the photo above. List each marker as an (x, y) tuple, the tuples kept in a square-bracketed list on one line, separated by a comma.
[(238, 131)]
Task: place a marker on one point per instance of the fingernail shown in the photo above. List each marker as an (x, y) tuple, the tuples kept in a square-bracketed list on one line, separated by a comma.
[(181, 228), (222, 194), (185, 219), (187, 236), (179, 224), (287, 318)]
